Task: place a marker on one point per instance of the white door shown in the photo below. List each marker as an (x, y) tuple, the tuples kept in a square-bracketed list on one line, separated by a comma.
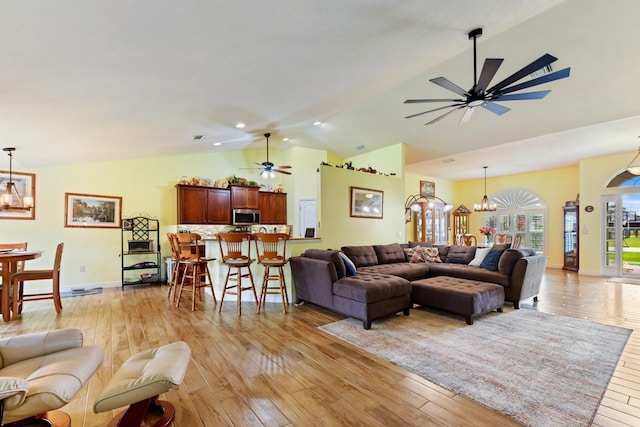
[(308, 209)]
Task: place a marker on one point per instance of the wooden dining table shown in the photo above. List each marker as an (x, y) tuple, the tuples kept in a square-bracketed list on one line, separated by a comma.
[(9, 261)]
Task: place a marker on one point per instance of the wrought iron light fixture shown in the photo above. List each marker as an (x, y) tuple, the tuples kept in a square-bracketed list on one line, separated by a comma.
[(412, 204), (485, 206), (11, 194)]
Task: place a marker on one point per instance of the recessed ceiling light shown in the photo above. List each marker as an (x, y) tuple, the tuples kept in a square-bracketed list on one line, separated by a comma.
[(240, 125), (197, 137), (217, 144), (317, 123), (285, 139)]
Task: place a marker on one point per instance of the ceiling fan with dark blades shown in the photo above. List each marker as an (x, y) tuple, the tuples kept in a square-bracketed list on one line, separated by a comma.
[(480, 96), (268, 169)]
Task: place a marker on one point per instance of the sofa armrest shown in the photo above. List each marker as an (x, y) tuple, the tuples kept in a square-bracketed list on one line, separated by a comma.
[(313, 280), (526, 277), (23, 347), (13, 391)]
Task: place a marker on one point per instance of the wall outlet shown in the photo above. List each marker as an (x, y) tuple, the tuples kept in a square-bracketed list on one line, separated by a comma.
[(81, 268)]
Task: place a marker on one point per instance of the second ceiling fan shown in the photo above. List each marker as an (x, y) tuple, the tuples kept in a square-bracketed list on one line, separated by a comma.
[(480, 96)]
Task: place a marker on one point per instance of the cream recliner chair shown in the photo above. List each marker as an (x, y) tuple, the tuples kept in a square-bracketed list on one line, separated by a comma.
[(42, 372)]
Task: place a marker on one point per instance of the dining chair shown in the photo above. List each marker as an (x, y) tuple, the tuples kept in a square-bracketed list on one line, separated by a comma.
[(19, 278), (517, 239), (271, 249), (502, 239), (234, 250), (194, 268), (468, 240), (18, 246)]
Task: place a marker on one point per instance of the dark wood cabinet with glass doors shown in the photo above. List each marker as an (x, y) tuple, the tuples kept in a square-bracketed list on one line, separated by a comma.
[(571, 225)]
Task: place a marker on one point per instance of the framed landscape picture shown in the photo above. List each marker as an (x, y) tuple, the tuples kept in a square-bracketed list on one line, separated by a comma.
[(92, 211), (366, 203), (427, 189)]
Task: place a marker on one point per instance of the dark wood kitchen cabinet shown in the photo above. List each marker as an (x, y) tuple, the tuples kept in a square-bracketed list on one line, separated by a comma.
[(243, 197), (273, 208), (203, 205)]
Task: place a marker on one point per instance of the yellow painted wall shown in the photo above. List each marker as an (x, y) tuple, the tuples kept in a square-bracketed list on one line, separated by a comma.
[(338, 228), (555, 186), (388, 160)]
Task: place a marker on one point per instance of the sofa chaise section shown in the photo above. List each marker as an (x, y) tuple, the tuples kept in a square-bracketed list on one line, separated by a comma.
[(320, 278)]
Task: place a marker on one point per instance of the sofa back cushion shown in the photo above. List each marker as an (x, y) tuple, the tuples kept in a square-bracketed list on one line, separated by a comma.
[(331, 256), (443, 252), (361, 256), (460, 254), (388, 254)]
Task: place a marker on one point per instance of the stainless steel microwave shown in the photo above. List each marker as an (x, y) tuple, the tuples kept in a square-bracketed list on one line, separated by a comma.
[(245, 216)]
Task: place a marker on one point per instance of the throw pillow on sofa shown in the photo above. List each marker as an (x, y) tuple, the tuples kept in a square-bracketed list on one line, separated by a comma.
[(348, 264), (481, 253), (414, 255), (490, 261), (422, 254)]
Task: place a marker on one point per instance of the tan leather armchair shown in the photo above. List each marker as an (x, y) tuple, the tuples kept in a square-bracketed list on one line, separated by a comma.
[(43, 371)]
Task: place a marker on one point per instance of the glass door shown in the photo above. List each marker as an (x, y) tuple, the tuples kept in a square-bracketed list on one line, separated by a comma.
[(621, 231)]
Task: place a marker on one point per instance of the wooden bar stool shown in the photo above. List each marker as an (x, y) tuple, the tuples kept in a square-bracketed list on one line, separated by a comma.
[(176, 273), (271, 249), (195, 273), (235, 258)]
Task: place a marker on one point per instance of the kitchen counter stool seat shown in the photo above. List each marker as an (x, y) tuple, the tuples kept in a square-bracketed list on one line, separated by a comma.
[(234, 250), (271, 249)]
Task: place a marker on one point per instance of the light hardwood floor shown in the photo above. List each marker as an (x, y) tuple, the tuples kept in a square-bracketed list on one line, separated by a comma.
[(280, 370)]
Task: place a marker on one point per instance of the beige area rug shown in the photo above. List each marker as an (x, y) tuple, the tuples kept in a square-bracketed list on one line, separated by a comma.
[(536, 368)]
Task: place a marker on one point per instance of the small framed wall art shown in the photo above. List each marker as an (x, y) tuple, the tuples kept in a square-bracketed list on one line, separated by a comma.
[(427, 189), (92, 211), (366, 203)]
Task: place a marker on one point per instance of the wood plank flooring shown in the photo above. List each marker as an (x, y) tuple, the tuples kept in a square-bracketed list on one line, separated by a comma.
[(274, 369)]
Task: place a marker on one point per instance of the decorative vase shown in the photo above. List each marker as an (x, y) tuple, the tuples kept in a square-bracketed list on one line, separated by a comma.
[(487, 240)]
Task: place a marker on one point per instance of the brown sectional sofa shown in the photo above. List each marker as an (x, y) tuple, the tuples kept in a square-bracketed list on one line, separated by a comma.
[(381, 284)]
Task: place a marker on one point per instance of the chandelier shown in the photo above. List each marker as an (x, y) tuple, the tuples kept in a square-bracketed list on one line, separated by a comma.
[(485, 206), (11, 199)]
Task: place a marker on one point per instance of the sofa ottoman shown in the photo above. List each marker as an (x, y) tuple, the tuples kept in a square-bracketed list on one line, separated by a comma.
[(370, 296), (468, 298)]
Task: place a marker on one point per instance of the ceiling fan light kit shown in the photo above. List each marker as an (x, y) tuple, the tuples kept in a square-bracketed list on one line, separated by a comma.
[(480, 96), (267, 169)]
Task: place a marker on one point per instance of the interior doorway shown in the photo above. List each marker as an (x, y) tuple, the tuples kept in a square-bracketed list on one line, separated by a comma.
[(307, 213)]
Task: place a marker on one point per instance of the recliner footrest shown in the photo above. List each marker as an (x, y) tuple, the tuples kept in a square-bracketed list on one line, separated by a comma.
[(141, 379)]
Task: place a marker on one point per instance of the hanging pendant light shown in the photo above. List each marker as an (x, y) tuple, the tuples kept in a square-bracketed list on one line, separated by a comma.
[(634, 167), (485, 206), (11, 191)]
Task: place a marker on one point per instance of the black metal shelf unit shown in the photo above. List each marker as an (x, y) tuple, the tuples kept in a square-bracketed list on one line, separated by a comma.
[(140, 251)]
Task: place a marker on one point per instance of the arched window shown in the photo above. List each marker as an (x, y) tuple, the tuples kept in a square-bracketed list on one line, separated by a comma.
[(519, 212)]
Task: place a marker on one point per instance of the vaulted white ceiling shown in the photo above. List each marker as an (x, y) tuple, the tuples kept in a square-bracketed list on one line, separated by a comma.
[(90, 80)]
